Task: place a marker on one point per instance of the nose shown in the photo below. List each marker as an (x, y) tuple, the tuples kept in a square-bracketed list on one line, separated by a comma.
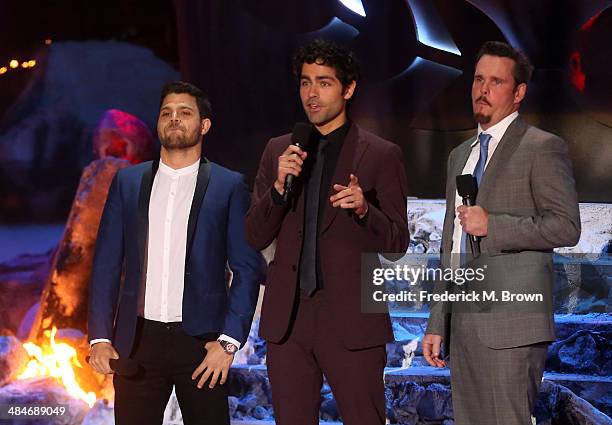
[(313, 91), (484, 88)]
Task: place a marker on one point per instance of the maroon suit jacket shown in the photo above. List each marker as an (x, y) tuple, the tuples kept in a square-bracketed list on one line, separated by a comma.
[(342, 239)]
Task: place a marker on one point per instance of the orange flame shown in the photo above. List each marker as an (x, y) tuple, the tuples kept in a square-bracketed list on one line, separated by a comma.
[(58, 361)]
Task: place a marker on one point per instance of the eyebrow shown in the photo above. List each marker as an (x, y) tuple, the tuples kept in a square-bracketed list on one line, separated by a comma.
[(318, 78), (180, 106), (493, 77)]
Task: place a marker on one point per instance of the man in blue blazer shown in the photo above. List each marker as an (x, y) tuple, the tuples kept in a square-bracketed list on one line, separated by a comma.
[(170, 227)]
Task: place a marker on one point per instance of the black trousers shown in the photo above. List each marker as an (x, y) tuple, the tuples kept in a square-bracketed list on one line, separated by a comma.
[(167, 357)]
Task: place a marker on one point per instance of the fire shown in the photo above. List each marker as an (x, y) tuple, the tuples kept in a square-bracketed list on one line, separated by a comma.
[(58, 361)]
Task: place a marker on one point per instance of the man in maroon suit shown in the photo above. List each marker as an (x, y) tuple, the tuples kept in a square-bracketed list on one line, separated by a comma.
[(349, 198)]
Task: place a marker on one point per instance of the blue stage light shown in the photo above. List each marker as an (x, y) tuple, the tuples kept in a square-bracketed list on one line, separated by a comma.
[(431, 31), (355, 6)]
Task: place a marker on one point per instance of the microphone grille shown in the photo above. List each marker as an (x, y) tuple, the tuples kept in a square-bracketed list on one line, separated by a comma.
[(467, 187), (301, 134)]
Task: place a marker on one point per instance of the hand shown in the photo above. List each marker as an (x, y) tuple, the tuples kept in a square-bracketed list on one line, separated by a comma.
[(474, 220), (431, 350), (100, 355), (216, 364), (290, 162), (350, 197)]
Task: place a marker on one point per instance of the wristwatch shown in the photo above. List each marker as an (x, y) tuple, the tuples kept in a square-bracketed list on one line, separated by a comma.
[(228, 347)]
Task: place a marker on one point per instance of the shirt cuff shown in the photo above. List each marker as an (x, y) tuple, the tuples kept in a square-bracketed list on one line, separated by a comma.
[(364, 220), (224, 337), (277, 198), (95, 341)]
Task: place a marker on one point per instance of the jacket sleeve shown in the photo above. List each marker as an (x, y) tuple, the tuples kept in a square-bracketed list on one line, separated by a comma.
[(107, 266), (557, 223), (439, 311), (387, 220), (265, 216), (247, 266)]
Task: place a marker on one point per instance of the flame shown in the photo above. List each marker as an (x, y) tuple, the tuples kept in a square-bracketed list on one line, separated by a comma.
[(58, 361)]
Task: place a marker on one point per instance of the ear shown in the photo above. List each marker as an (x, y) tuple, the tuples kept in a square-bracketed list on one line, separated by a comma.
[(205, 126), (519, 92), (349, 90)]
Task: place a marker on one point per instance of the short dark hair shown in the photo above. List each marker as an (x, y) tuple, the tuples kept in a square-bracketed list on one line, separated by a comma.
[(325, 52), (522, 66), (178, 87)]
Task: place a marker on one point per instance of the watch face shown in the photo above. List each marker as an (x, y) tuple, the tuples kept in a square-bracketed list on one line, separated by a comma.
[(228, 347)]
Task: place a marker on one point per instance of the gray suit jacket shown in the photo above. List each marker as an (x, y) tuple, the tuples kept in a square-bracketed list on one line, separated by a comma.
[(529, 192)]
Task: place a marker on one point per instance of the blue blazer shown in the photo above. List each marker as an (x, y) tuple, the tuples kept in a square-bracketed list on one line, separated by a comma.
[(215, 236)]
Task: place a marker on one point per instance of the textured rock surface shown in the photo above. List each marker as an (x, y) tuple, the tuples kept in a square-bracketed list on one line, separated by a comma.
[(559, 405), (100, 414), (425, 218), (43, 392), (597, 220), (251, 389), (21, 282), (586, 352), (64, 298), (13, 358)]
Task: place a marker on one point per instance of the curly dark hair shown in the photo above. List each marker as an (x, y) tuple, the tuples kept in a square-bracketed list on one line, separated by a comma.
[(522, 66), (325, 52), (179, 87)]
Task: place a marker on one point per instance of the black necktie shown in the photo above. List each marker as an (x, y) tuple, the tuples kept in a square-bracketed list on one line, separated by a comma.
[(308, 260)]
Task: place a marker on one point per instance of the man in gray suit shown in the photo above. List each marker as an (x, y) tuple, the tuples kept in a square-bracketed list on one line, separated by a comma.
[(526, 206)]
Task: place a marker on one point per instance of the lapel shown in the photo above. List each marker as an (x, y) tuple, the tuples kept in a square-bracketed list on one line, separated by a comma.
[(457, 168), (198, 198), (352, 151), (506, 148), (146, 185), (144, 196)]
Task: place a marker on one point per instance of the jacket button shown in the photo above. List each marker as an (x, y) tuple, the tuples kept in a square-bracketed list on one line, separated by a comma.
[(294, 267)]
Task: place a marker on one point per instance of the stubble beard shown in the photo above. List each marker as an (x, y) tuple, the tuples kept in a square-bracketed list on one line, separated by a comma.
[(178, 141)]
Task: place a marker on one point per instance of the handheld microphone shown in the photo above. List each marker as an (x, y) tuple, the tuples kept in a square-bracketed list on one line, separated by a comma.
[(123, 367), (467, 187), (300, 137)]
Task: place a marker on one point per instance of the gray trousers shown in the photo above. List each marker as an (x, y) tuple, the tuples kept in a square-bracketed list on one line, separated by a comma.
[(492, 386)]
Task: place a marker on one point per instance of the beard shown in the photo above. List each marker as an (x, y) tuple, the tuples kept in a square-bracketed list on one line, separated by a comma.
[(482, 118), (178, 140), (479, 116)]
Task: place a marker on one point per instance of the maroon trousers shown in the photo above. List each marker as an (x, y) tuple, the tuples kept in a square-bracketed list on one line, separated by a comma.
[(297, 365)]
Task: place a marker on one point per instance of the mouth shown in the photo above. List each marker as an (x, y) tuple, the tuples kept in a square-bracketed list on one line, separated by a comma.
[(313, 107), (481, 101)]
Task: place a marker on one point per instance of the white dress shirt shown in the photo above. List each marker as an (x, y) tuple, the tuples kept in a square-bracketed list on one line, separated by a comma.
[(169, 207), (496, 131)]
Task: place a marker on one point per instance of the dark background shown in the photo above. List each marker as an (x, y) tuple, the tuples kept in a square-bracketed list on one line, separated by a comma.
[(25, 25), (413, 91)]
